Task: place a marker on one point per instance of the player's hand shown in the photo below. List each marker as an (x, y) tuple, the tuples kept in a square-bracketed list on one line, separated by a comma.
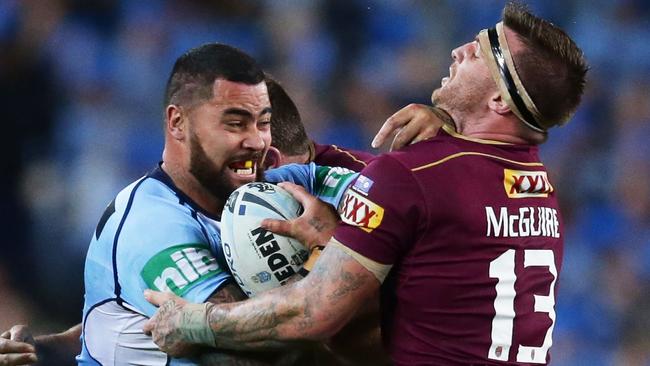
[(413, 123), (17, 347), (173, 327), (316, 224)]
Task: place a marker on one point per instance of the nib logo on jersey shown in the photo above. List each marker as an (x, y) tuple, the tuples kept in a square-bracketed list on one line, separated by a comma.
[(177, 268), (526, 183)]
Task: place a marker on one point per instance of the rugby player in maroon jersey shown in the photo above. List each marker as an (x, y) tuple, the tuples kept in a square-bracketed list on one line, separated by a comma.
[(462, 233)]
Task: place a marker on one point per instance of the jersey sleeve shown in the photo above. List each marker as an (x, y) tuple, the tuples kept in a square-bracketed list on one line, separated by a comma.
[(381, 211), (332, 155), (300, 174), (326, 183), (166, 251)]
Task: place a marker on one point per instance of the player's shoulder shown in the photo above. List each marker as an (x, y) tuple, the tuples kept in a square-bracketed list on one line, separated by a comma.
[(448, 146), (155, 216), (333, 155), (152, 201)]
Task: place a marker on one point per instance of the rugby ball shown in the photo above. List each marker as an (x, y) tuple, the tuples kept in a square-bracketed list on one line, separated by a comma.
[(258, 259)]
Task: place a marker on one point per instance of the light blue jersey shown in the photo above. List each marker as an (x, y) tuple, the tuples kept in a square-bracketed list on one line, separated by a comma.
[(152, 236)]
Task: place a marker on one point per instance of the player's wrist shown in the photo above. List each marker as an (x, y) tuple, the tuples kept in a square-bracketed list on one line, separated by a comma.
[(309, 263), (195, 325)]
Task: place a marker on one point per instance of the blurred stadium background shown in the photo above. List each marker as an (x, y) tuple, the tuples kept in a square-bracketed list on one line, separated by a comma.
[(81, 84)]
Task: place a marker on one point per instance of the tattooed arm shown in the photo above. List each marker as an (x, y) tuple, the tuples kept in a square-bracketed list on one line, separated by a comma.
[(228, 294), (312, 309)]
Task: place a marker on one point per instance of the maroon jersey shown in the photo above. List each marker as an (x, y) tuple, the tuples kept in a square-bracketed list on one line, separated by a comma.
[(473, 231), (332, 155)]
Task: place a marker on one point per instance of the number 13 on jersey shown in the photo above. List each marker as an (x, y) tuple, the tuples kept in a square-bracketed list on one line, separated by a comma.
[(503, 269)]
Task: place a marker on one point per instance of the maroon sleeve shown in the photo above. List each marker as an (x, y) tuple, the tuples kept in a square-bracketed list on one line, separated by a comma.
[(381, 211), (332, 155)]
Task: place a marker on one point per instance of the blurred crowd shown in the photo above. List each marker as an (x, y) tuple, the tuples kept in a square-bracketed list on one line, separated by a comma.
[(81, 86)]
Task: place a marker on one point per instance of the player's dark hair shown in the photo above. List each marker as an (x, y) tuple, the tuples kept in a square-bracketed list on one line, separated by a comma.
[(551, 66), (195, 71), (287, 131)]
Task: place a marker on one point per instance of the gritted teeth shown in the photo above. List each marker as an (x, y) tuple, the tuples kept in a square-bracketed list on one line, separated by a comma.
[(245, 167)]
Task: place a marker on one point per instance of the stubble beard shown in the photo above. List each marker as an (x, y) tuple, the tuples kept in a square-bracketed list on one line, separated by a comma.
[(452, 99), (460, 101), (212, 178)]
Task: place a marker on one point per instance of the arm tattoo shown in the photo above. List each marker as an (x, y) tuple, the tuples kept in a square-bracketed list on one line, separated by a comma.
[(312, 308), (230, 293), (349, 283)]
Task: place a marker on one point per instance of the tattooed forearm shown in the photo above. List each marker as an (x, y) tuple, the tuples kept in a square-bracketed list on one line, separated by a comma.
[(349, 282), (259, 323), (314, 308)]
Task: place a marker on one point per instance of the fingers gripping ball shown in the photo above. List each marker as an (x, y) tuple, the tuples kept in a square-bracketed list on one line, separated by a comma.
[(259, 259)]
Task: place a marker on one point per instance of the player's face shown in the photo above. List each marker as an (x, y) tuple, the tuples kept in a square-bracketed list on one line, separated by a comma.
[(229, 135), (469, 81)]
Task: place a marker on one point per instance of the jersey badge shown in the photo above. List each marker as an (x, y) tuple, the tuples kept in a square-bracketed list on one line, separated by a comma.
[(522, 183), (359, 211), (363, 184)]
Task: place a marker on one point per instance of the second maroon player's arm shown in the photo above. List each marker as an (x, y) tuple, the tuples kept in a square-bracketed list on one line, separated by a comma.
[(411, 124), (313, 309)]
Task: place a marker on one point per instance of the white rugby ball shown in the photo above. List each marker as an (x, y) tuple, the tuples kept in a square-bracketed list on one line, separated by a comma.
[(260, 260)]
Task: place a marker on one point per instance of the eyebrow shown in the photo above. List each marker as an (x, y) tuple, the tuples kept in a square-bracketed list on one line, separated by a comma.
[(265, 111), (244, 113)]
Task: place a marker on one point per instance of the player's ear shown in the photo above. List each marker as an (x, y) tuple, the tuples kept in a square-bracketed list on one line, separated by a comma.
[(497, 104), (273, 158), (175, 121)]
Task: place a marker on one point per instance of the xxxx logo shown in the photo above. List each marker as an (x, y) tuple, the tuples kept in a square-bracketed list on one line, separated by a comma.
[(359, 211), (521, 183)]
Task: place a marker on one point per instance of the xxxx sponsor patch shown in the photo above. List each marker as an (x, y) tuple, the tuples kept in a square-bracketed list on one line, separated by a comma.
[(526, 183), (359, 211), (178, 268)]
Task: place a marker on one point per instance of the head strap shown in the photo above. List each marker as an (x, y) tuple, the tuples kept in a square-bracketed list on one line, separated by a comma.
[(494, 46)]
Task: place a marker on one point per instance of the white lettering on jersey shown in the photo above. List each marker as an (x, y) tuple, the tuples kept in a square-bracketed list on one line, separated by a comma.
[(527, 221), (190, 265)]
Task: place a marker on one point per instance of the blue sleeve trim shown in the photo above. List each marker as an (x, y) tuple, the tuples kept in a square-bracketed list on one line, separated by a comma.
[(118, 288)]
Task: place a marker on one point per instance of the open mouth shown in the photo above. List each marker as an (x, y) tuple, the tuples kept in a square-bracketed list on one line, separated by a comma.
[(452, 72), (244, 167)]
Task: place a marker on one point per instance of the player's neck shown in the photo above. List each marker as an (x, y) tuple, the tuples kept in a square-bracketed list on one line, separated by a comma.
[(507, 130), (187, 183)]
